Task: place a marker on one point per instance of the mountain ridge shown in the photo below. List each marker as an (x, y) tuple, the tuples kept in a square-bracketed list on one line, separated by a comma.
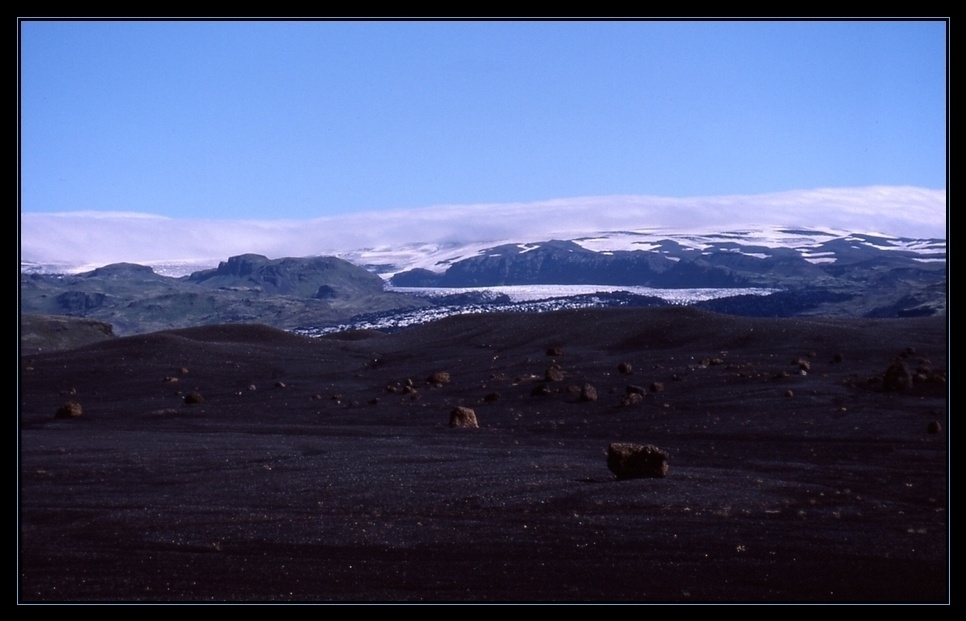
[(807, 271)]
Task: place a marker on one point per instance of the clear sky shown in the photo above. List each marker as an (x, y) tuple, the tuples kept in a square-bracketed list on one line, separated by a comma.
[(312, 119)]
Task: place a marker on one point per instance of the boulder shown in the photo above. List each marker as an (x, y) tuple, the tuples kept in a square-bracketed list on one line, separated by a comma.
[(897, 377), (554, 374), (463, 417), (439, 377), (636, 461), (632, 398), (625, 368), (71, 409), (588, 393), (193, 397)]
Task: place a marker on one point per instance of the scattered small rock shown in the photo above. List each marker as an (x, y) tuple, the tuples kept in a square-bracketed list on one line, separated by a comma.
[(165, 412), (555, 351), (934, 427), (463, 417), (554, 374), (632, 389), (439, 377), (789, 393), (625, 368), (632, 399), (588, 393), (636, 461), (657, 386), (193, 397), (540, 390)]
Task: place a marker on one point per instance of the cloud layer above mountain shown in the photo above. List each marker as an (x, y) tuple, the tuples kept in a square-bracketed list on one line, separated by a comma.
[(99, 238)]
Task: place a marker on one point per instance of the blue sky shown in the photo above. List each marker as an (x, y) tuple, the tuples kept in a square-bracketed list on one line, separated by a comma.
[(302, 120)]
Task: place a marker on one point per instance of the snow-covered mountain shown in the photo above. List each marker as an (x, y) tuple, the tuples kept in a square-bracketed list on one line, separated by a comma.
[(749, 245), (776, 271)]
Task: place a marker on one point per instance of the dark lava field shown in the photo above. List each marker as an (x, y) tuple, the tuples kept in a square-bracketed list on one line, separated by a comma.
[(808, 461)]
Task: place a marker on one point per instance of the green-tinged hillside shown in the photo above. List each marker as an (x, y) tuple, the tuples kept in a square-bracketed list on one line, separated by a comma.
[(246, 289)]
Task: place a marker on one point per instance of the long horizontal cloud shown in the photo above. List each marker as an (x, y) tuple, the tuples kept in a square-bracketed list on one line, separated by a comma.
[(98, 238)]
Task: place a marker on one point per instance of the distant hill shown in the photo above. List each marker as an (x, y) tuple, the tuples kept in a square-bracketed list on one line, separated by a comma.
[(245, 289), (45, 333), (320, 278)]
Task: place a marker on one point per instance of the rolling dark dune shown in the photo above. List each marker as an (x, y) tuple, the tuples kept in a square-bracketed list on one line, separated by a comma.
[(326, 469)]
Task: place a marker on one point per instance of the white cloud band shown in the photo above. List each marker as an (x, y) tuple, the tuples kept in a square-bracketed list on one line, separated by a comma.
[(99, 238)]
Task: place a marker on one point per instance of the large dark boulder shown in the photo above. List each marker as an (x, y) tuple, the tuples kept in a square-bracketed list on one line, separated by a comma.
[(463, 417), (636, 461)]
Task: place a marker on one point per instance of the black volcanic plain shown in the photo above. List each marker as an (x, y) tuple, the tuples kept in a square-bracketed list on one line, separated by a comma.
[(312, 472)]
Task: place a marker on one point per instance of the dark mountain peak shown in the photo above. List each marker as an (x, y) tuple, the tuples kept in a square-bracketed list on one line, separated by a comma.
[(120, 270), (310, 277), (242, 265)]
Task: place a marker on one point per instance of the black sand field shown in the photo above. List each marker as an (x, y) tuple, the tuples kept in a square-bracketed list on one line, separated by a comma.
[(313, 471)]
